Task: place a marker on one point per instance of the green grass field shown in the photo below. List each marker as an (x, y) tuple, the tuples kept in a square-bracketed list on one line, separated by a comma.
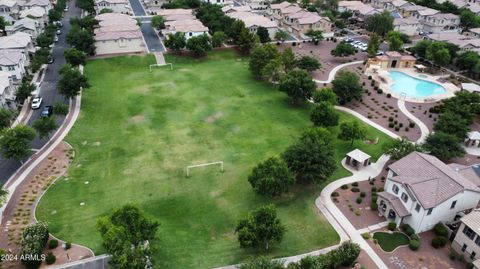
[(389, 242), (137, 132)]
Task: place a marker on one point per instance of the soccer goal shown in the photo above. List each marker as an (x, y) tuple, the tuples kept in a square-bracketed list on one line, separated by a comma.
[(204, 164)]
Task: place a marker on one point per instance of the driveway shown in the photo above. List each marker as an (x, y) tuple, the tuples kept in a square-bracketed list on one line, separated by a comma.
[(48, 90), (154, 44)]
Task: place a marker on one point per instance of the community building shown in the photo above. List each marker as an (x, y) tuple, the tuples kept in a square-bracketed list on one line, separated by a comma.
[(421, 190), (392, 59), (118, 34)]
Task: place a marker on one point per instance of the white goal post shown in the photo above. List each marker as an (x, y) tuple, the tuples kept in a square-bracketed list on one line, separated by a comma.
[(204, 164)]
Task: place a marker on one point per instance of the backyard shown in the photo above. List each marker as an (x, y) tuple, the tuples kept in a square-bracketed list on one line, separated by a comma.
[(139, 130)]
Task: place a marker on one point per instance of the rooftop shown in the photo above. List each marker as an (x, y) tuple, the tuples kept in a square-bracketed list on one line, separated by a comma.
[(472, 220), (10, 57), (358, 155), (252, 19)]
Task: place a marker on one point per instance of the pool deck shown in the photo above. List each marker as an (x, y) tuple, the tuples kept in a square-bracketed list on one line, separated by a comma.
[(384, 82)]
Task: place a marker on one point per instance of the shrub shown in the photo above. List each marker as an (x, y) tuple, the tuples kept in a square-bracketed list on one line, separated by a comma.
[(407, 129), (381, 188), (407, 229), (335, 194), (50, 259), (34, 239), (400, 125), (53, 244), (414, 245), (374, 189), (411, 124), (355, 184), (389, 95), (369, 77), (374, 198), (359, 200), (439, 241), (392, 226), (397, 128), (452, 255), (347, 254), (366, 235), (379, 91), (355, 189), (68, 245), (373, 206), (415, 237), (60, 109), (440, 230), (390, 119), (344, 187), (391, 125)]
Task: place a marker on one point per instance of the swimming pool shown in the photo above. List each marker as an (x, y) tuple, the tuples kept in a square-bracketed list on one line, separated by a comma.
[(413, 87)]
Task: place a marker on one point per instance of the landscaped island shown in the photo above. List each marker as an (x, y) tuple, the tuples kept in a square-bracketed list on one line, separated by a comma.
[(138, 131)]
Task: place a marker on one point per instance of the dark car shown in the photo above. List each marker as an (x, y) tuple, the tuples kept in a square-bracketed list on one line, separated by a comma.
[(47, 111), (50, 60)]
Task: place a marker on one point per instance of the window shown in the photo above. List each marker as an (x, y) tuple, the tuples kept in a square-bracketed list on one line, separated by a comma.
[(464, 247), (11, 68), (453, 204), (404, 197), (417, 208), (477, 240), (429, 212), (472, 256), (395, 189), (468, 232)]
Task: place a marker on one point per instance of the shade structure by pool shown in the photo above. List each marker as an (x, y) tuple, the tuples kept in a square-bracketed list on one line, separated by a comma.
[(413, 87)]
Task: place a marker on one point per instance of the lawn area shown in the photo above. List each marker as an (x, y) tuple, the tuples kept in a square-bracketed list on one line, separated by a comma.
[(139, 130), (389, 242)]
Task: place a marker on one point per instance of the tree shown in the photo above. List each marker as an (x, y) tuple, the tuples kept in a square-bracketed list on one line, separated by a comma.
[(5, 118), (324, 115), (158, 22), (443, 146), (87, 5), (453, 124), (15, 142), (380, 23), (218, 38), (212, 16), (176, 42), (281, 35), (3, 198), (263, 35), (400, 148), (288, 60), (199, 45), (43, 40), (3, 23), (260, 228), (347, 87), (260, 57), (71, 81), (81, 39), (438, 53), (273, 71), (106, 10), (465, 104), (246, 41), (325, 95), (44, 126), (373, 45), (467, 60), (271, 178), (420, 48), (315, 35), (343, 49), (312, 158), (75, 57), (351, 131), (236, 30), (308, 63), (24, 91), (468, 19), (54, 15), (262, 263), (298, 85), (34, 239), (395, 42), (126, 235)]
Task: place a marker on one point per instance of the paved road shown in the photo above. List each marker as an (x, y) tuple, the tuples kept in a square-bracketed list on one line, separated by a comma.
[(48, 90), (153, 42)]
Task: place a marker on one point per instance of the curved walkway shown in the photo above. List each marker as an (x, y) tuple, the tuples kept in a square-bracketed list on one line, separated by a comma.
[(423, 128), (334, 71)]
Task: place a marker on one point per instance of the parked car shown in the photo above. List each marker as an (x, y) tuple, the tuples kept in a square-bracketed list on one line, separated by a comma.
[(58, 23), (349, 40), (65, 9), (36, 102), (47, 111), (59, 32), (380, 52), (50, 60), (55, 39)]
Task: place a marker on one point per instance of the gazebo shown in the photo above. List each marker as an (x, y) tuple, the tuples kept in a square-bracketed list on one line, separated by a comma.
[(357, 158), (473, 139)]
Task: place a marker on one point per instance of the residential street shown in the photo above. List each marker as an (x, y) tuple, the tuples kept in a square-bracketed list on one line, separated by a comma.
[(48, 90), (153, 42)]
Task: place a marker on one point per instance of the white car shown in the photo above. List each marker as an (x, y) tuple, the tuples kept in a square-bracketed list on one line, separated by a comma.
[(59, 32), (56, 39), (66, 9), (36, 102)]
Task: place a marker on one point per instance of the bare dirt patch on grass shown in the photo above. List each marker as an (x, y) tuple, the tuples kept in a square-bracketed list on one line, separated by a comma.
[(214, 117), (137, 119)]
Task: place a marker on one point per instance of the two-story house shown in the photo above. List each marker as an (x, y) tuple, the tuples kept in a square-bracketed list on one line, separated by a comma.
[(409, 26), (9, 10), (18, 41), (440, 22), (28, 4), (117, 6), (25, 25), (37, 13), (278, 12), (306, 21), (467, 239), (421, 190), (7, 91), (13, 62)]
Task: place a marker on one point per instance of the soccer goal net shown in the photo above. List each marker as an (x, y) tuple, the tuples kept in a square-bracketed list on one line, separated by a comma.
[(204, 164)]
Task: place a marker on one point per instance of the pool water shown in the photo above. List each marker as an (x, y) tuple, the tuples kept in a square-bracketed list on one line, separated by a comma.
[(413, 87)]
